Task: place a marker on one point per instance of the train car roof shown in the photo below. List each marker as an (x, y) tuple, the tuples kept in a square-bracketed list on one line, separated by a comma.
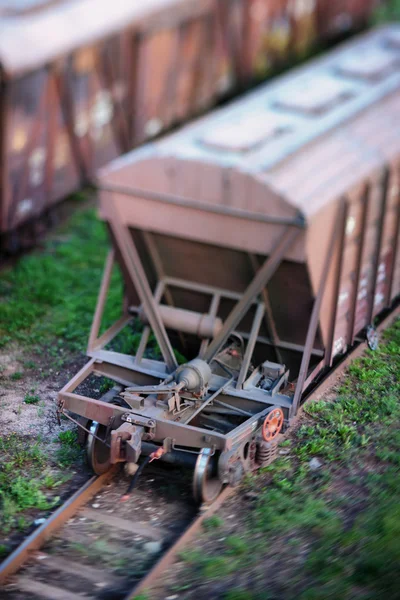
[(306, 138), (34, 32)]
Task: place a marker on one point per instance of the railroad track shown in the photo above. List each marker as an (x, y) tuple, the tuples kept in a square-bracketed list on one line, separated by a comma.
[(96, 546)]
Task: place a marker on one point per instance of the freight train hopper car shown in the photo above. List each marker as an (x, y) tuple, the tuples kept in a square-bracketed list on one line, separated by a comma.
[(258, 243), (84, 81)]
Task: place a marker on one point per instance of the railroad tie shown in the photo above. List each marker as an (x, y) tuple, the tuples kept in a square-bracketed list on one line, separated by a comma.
[(46, 591), (123, 524), (91, 574)]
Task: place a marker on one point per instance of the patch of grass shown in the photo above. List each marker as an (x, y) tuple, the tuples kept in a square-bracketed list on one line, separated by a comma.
[(237, 545), (69, 451), (31, 399), (51, 482), (68, 438), (216, 567), (387, 11), (22, 482), (106, 385), (16, 376), (240, 595), (212, 522), (47, 300), (29, 364)]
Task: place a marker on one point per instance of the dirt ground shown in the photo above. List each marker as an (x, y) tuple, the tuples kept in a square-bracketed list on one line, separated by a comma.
[(35, 426), (37, 378)]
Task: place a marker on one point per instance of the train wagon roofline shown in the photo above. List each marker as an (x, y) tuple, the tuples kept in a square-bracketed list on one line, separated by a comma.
[(223, 139), (72, 24)]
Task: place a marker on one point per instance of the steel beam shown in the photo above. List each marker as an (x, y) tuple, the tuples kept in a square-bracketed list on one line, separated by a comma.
[(254, 289)]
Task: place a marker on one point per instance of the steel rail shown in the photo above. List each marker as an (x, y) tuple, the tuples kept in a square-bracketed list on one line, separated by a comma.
[(37, 539)]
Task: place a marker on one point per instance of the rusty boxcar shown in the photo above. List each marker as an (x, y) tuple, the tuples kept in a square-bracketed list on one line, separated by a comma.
[(259, 241), (82, 82)]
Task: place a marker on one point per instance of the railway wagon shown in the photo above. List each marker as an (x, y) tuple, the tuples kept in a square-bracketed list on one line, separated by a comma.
[(260, 242), (82, 82)]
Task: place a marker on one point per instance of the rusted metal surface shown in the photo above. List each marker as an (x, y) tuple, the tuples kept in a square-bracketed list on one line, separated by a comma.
[(301, 192), (273, 181), (109, 75)]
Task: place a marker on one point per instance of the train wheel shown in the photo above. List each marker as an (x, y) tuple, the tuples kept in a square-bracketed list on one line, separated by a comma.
[(98, 454), (206, 483), (272, 424)]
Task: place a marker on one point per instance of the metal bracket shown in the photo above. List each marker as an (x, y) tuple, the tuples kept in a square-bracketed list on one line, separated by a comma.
[(138, 420)]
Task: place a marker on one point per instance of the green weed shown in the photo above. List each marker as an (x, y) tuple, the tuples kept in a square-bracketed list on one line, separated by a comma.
[(212, 522), (69, 451), (31, 399), (387, 11), (239, 595), (237, 545), (47, 300), (68, 438), (16, 376)]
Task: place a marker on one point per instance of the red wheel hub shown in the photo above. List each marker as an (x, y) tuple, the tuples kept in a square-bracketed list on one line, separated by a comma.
[(272, 424)]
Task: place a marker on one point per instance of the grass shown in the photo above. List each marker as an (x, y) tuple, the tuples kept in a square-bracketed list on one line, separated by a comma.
[(31, 399), (16, 376), (47, 300), (345, 514), (24, 482), (387, 12), (69, 451)]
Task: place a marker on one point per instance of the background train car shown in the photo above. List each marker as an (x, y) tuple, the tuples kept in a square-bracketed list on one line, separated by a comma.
[(259, 242), (82, 82)]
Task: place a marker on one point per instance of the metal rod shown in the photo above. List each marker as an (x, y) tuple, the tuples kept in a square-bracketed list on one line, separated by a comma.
[(146, 331), (250, 345), (84, 428), (396, 246), (360, 252), (269, 318), (259, 282), (158, 266), (312, 328), (138, 277), (210, 399), (212, 313), (233, 408), (282, 344), (201, 287), (337, 282), (379, 239)]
